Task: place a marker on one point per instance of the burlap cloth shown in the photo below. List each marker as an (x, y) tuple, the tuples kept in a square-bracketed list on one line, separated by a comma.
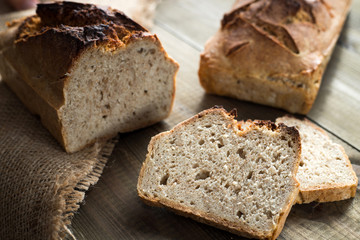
[(41, 186)]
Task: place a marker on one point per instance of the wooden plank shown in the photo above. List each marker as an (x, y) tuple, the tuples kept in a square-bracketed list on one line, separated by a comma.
[(114, 211), (338, 98), (199, 19), (337, 107)]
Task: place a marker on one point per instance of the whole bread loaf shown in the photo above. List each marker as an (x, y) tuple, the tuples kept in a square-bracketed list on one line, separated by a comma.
[(237, 176), (88, 72), (325, 173), (273, 52)]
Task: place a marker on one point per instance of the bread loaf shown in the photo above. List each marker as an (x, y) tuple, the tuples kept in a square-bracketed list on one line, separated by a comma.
[(273, 52), (325, 173), (88, 72), (238, 176)]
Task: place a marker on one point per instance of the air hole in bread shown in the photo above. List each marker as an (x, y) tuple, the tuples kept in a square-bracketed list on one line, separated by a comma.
[(202, 175), (259, 160), (201, 142), (192, 203), (239, 214), (301, 163), (208, 125), (104, 116), (164, 179), (195, 165), (269, 214), (276, 157), (228, 153), (241, 153), (207, 190), (237, 190), (197, 187), (172, 141), (221, 143), (249, 175)]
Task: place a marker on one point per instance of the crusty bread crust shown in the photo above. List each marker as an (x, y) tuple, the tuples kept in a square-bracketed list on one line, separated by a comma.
[(211, 219), (273, 52), (328, 192), (44, 50)]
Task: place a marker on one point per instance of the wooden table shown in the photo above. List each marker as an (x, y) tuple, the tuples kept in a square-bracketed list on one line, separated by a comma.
[(112, 209)]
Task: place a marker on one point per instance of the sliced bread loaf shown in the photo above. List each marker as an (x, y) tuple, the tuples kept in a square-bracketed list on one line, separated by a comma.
[(88, 72), (325, 173), (233, 175)]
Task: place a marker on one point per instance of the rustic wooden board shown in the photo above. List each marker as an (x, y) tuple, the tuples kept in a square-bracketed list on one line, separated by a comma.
[(112, 209), (338, 99)]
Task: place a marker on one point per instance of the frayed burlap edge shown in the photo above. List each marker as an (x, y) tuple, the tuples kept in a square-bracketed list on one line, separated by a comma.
[(71, 193)]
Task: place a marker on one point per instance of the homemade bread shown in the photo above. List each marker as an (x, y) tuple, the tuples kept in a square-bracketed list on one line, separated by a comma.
[(273, 52), (237, 176), (325, 173), (88, 72)]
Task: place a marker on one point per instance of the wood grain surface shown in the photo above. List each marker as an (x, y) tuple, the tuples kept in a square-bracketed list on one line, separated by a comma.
[(112, 209)]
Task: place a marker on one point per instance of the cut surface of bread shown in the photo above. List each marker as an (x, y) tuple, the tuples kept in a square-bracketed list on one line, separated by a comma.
[(88, 72), (325, 173), (237, 176)]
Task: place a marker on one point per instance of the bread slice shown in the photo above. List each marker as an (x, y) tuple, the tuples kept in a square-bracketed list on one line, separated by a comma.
[(88, 72), (233, 175), (325, 173)]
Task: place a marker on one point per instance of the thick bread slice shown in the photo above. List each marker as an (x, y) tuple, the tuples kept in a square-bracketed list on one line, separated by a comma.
[(88, 72), (233, 175), (325, 173)]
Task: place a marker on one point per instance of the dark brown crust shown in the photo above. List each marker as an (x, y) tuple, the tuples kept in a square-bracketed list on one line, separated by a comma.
[(45, 47), (212, 220), (78, 14), (86, 23)]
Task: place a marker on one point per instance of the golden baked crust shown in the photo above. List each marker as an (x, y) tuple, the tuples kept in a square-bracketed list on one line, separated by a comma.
[(273, 52), (45, 50)]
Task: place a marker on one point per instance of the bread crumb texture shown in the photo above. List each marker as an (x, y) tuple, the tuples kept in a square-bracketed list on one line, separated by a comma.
[(239, 175), (324, 164), (102, 72)]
